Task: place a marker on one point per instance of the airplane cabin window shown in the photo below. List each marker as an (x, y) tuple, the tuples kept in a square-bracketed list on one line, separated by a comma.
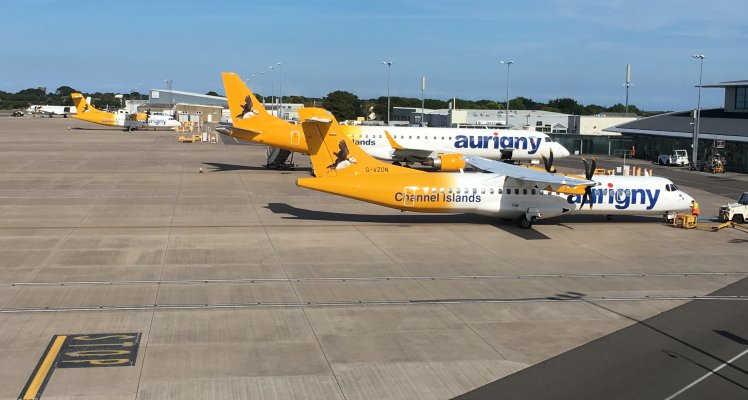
[(490, 190), (533, 191), (516, 191), (457, 191), (433, 190), (475, 190), (499, 191), (482, 190), (449, 190)]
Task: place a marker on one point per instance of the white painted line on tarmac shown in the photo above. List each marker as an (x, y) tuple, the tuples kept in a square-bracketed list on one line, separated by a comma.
[(694, 383)]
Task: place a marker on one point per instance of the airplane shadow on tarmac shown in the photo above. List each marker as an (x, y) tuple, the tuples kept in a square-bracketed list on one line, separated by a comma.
[(505, 225), (404, 220), (220, 167)]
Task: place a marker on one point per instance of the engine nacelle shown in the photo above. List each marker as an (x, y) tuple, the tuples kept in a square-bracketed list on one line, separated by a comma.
[(446, 162)]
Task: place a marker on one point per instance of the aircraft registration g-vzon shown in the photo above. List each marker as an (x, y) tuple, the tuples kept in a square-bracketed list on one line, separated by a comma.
[(121, 118), (435, 147), (525, 194)]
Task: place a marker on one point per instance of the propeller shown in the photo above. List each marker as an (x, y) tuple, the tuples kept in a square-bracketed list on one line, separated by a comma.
[(549, 162), (589, 170)]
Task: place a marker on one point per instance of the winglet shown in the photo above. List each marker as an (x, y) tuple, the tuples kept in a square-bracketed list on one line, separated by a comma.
[(392, 141)]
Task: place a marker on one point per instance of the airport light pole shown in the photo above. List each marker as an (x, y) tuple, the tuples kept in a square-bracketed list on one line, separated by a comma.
[(280, 90), (389, 67), (264, 96), (272, 87), (508, 64), (423, 90), (627, 85), (695, 154), (169, 82)]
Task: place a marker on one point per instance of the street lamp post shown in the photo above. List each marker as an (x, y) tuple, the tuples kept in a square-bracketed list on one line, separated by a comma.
[(169, 82), (695, 154), (423, 90), (280, 90), (389, 66), (272, 87), (508, 64), (264, 96)]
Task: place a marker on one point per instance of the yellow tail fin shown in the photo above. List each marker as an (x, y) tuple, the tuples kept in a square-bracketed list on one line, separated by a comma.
[(251, 121), (332, 153), (81, 105)]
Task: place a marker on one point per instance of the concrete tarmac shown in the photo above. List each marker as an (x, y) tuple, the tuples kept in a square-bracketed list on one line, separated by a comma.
[(243, 285)]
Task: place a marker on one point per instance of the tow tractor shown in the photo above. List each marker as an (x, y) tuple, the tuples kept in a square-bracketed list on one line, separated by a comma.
[(735, 212)]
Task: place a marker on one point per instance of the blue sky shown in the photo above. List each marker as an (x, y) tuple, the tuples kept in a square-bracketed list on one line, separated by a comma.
[(569, 48)]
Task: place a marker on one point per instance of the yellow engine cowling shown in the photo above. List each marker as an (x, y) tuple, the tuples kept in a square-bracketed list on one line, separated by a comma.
[(446, 162)]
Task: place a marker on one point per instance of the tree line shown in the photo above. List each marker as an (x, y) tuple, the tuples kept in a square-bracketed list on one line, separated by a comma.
[(343, 105), (60, 97)]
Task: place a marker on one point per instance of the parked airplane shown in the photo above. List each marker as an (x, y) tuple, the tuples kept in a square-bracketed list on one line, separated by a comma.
[(508, 191), (50, 111), (128, 121), (429, 146)]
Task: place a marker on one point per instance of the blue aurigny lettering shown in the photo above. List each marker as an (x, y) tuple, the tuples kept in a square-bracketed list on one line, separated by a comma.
[(495, 141)]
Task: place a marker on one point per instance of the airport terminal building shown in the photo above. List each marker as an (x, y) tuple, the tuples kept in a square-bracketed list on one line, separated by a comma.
[(666, 132)]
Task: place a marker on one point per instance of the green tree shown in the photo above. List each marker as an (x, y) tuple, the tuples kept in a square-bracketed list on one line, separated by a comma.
[(567, 106), (64, 91), (343, 105)]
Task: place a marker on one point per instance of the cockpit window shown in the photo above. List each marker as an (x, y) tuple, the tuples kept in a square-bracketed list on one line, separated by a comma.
[(675, 188), (547, 139), (670, 187)]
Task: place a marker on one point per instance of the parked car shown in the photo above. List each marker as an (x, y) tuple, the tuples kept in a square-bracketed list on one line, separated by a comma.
[(17, 113)]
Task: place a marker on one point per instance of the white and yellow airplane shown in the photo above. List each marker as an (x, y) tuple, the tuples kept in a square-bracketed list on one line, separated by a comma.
[(507, 191), (434, 147), (121, 118)]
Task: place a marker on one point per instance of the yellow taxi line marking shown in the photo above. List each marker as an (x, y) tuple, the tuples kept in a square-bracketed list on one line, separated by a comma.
[(44, 369)]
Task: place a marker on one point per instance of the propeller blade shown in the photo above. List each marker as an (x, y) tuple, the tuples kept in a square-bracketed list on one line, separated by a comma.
[(546, 163), (592, 170), (550, 161), (587, 197), (586, 167)]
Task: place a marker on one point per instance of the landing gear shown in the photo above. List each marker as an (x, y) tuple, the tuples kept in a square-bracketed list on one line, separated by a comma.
[(524, 223)]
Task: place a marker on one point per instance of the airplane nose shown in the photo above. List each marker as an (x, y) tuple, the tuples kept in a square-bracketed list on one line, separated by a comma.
[(561, 150)]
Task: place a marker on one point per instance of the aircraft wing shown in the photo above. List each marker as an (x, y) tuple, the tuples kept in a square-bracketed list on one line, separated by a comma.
[(406, 153), (541, 179)]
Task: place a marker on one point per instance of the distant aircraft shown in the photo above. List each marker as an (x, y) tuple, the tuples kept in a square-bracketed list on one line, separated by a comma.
[(434, 147), (524, 194), (129, 121), (50, 111)]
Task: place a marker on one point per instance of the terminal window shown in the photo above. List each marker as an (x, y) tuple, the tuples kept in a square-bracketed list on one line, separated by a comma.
[(741, 98)]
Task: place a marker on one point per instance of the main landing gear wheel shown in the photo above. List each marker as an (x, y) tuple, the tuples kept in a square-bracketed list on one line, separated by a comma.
[(523, 222)]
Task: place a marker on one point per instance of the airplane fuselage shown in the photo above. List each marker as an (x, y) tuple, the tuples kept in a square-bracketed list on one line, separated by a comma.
[(517, 145), (499, 196)]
